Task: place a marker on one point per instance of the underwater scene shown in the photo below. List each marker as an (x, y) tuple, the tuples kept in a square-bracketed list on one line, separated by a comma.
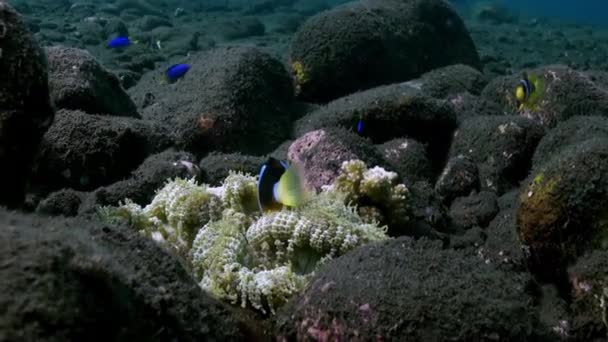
[(303, 170)]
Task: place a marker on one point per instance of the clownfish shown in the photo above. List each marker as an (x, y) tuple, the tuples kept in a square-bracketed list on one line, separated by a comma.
[(528, 90), (280, 184)]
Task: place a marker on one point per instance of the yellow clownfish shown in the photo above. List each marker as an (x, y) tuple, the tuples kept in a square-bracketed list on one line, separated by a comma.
[(280, 185), (528, 90)]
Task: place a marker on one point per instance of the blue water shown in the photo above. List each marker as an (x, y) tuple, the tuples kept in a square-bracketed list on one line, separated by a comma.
[(590, 12)]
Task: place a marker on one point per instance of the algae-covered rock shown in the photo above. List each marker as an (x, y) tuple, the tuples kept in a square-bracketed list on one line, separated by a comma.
[(572, 131), (501, 146), (460, 177), (589, 280), (563, 208), (366, 43), (408, 158), (217, 166), (79, 280), (565, 93), (25, 107), (389, 112), (85, 151), (79, 82), (232, 99), (451, 80), (410, 291)]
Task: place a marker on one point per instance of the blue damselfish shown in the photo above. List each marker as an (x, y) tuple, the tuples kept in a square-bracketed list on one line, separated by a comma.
[(118, 42), (176, 71)]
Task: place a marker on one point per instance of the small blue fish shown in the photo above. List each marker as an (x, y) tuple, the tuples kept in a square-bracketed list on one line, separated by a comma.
[(360, 124), (175, 72), (118, 42)]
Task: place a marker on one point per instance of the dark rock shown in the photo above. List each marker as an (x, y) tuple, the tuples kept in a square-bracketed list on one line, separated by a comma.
[(151, 22), (408, 158), (451, 80), (141, 186), (473, 211), (428, 214), (286, 23), (459, 178), (468, 241), (217, 166), (562, 208), (501, 146), (232, 99), (139, 8), (502, 246), (63, 202), (77, 81), (567, 93), (322, 152), (73, 279), (572, 131), (281, 151), (367, 43), (389, 112), (494, 13), (466, 105), (242, 27), (411, 291), (85, 151), (90, 31), (82, 9), (25, 107), (554, 315), (114, 28), (588, 278)]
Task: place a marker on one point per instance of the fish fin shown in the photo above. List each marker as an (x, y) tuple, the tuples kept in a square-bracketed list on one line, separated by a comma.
[(539, 88), (290, 189)]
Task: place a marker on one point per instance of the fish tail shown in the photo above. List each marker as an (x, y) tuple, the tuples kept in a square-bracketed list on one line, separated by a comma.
[(539, 88), (290, 190)]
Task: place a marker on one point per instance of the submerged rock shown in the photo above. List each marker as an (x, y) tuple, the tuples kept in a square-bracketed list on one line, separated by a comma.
[(389, 112), (232, 99), (366, 43), (565, 93), (322, 152), (79, 82), (81, 280), (563, 207), (86, 151), (405, 290), (25, 107), (501, 146)]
